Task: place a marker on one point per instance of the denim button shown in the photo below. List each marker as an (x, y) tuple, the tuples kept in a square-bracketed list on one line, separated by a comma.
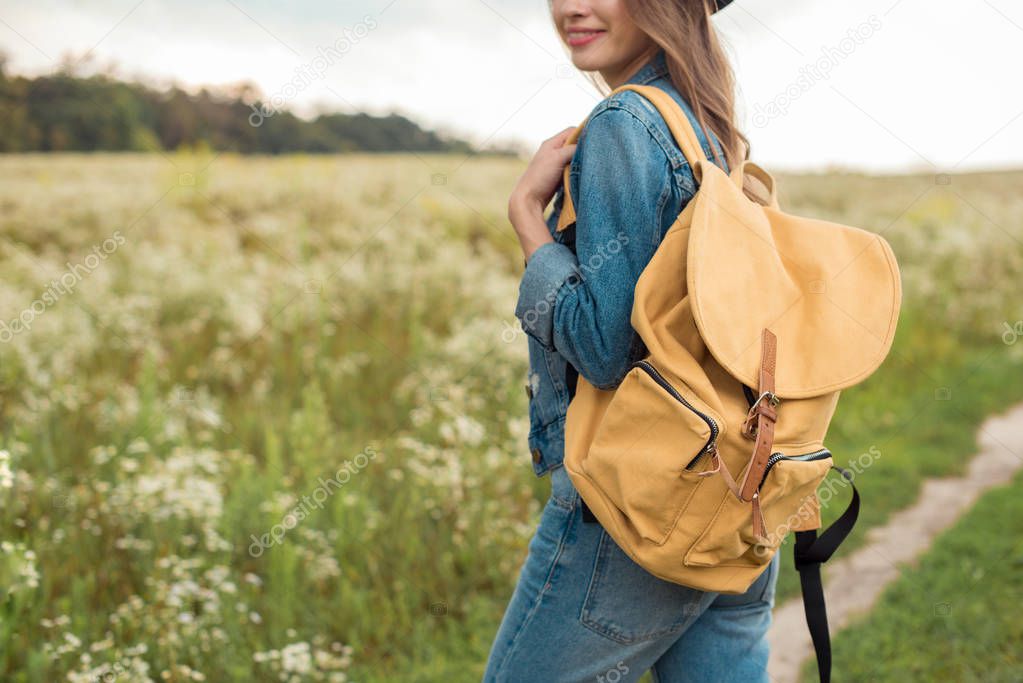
[(536, 455)]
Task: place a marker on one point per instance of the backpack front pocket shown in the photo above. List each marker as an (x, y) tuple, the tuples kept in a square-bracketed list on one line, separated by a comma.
[(789, 483), (646, 452), (788, 491)]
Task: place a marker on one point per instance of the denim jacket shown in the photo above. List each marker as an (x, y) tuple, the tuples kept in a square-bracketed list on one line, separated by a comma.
[(629, 181)]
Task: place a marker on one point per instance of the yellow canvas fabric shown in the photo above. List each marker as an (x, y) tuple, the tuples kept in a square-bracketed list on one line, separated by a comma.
[(642, 455)]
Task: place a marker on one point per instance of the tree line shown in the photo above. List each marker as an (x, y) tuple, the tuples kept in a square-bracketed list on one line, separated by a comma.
[(64, 111)]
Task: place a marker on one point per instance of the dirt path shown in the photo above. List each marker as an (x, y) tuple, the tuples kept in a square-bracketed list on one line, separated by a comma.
[(853, 584)]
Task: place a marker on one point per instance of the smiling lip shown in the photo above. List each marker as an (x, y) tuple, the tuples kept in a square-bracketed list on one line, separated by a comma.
[(579, 37)]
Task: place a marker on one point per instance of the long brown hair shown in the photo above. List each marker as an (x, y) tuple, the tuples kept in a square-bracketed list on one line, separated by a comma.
[(697, 66)]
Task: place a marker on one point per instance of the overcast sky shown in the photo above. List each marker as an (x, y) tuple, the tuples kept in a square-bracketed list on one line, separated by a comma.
[(888, 85)]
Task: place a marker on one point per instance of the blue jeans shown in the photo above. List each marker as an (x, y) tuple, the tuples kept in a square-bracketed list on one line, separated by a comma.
[(584, 611)]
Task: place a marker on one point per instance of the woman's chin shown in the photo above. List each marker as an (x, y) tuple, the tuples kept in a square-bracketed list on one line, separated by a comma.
[(587, 61)]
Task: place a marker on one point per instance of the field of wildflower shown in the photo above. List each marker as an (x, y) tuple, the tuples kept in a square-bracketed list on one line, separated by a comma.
[(263, 419)]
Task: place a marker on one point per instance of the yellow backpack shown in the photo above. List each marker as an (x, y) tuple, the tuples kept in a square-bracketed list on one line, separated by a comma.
[(712, 447)]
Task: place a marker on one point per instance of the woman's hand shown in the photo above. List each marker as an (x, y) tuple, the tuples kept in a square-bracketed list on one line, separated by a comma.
[(536, 187), (540, 180)]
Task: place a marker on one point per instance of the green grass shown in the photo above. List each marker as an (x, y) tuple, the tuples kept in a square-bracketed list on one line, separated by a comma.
[(271, 318), (955, 615)]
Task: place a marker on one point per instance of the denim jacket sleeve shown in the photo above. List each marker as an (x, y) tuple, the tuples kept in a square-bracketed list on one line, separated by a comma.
[(626, 197)]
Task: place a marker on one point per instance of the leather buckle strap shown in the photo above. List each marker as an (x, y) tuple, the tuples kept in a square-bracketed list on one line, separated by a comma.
[(759, 525), (765, 416), (749, 427)]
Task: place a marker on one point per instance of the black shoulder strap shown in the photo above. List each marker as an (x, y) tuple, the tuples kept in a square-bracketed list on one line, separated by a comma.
[(810, 552)]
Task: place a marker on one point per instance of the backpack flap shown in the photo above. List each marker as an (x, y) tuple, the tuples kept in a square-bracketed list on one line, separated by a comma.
[(830, 293)]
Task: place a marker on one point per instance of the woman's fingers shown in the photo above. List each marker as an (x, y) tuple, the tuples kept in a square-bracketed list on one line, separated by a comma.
[(559, 139)]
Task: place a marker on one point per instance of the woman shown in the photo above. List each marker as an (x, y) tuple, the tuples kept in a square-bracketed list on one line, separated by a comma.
[(582, 609)]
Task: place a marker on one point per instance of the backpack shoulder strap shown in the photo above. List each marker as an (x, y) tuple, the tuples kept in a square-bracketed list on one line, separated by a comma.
[(678, 123)]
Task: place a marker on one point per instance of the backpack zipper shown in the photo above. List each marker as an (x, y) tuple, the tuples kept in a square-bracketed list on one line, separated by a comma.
[(657, 377), (805, 457)]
